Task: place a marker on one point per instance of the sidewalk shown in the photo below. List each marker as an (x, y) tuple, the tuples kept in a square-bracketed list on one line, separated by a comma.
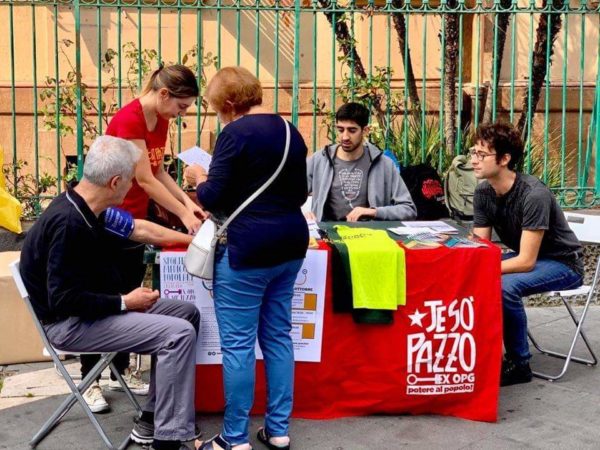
[(564, 414)]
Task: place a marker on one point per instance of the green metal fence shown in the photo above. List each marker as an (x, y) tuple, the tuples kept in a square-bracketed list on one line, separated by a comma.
[(430, 71)]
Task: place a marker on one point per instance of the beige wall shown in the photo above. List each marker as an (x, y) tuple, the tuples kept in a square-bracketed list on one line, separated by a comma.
[(420, 27), (426, 60)]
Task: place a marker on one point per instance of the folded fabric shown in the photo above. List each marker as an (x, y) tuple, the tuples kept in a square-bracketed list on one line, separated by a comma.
[(342, 287), (340, 276), (377, 266), (373, 316)]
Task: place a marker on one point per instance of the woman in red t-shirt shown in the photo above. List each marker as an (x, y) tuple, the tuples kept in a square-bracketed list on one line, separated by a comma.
[(169, 93)]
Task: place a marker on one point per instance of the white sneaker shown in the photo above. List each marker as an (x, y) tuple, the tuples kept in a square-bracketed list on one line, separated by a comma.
[(95, 400), (134, 382)]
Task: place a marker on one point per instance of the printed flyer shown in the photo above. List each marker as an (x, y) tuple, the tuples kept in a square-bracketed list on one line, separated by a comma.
[(307, 305)]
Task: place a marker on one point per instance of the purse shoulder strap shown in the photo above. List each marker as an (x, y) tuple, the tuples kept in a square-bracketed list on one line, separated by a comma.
[(261, 189)]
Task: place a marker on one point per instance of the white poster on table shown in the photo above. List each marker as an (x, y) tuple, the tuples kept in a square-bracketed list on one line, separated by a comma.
[(176, 283), (307, 306)]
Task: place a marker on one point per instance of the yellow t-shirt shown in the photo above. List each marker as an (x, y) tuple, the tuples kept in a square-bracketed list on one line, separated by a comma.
[(378, 268)]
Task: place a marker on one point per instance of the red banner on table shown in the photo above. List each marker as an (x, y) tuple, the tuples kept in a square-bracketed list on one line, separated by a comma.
[(441, 355)]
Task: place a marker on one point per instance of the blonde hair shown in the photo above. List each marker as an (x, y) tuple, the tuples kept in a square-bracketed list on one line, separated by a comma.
[(234, 89), (178, 79)]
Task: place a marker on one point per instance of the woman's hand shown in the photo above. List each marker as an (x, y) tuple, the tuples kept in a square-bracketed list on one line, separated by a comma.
[(310, 216), (196, 210), (195, 175), (191, 222)]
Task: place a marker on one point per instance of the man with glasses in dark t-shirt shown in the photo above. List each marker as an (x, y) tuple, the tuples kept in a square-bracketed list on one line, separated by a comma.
[(545, 254)]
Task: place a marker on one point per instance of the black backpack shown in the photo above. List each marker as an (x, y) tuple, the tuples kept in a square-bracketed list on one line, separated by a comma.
[(427, 191)]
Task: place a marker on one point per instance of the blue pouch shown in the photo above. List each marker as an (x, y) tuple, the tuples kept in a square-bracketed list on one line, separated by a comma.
[(118, 221)]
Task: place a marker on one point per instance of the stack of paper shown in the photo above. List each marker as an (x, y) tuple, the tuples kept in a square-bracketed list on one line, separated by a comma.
[(436, 226), (405, 231)]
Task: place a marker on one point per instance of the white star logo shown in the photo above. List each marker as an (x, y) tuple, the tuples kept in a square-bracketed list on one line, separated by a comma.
[(416, 318)]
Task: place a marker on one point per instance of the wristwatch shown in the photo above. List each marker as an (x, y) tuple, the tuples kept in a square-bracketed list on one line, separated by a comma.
[(123, 305)]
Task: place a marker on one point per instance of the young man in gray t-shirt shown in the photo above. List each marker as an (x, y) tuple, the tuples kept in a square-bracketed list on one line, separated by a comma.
[(545, 255)]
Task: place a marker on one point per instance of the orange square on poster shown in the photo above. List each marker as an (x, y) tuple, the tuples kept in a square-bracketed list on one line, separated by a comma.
[(308, 331), (310, 302)]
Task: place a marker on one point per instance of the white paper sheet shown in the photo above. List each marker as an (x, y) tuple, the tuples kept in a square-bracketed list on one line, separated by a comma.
[(405, 231), (196, 155), (437, 226)]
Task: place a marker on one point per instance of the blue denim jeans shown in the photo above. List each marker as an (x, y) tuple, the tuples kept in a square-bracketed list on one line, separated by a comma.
[(251, 303), (547, 275)]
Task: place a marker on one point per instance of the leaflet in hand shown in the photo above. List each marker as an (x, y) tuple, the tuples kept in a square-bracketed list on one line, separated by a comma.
[(196, 155), (313, 229)]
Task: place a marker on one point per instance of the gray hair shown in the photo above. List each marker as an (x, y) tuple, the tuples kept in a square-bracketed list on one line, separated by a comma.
[(109, 157)]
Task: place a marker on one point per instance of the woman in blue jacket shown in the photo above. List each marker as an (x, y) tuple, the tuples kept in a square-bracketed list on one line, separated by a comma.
[(256, 267)]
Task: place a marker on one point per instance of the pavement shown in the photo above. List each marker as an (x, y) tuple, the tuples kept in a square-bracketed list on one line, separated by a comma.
[(559, 415)]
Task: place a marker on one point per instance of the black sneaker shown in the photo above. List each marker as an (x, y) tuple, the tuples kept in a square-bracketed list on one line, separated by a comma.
[(513, 373), (143, 432)]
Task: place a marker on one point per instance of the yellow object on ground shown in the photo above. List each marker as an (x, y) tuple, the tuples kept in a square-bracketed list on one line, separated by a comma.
[(10, 208)]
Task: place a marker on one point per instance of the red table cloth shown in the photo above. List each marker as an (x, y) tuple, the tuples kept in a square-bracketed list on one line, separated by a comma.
[(441, 355)]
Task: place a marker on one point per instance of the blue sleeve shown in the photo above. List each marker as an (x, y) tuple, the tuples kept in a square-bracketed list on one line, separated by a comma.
[(227, 150), (390, 154), (119, 222)]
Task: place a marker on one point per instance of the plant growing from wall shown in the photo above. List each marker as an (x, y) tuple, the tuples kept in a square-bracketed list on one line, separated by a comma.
[(23, 185), (59, 102), (415, 141), (350, 55), (411, 140)]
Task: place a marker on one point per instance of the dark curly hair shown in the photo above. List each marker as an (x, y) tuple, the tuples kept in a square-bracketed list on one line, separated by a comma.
[(353, 112), (503, 138)]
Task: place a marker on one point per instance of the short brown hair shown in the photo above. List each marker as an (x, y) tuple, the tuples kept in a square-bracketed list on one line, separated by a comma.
[(234, 89), (503, 138), (178, 79)]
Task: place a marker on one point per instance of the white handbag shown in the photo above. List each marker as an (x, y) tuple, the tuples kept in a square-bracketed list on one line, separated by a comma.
[(199, 259)]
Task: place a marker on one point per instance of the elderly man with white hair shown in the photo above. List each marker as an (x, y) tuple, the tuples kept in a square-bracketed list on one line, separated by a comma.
[(69, 267)]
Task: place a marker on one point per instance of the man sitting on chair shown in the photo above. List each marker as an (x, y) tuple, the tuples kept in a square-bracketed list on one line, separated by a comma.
[(545, 255), (68, 268)]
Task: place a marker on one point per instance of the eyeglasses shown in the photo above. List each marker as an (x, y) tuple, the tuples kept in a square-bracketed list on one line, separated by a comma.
[(479, 155)]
